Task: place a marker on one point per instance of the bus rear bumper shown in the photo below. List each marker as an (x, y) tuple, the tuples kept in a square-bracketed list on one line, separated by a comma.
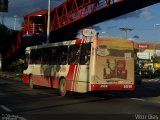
[(103, 87)]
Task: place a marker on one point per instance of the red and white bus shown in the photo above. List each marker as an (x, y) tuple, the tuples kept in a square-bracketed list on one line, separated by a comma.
[(81, 65)]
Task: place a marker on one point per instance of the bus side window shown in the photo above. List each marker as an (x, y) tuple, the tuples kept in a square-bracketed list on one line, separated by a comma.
[(85, 53), (54, 56), (45, 56), (38, 56), (32, 56), (74, 54), (62, 55)]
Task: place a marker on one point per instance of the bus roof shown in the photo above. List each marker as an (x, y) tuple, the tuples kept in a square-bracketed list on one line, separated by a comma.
[(80, 41), (71, 42)]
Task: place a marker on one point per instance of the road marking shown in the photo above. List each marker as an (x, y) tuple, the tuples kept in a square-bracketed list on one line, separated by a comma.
[(150, 88), (22, 118), (109, 94), (154, 80), (138, 99), (5, 108)]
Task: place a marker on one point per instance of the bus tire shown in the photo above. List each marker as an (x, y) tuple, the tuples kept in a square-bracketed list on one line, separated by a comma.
[(31, 84), (63, 87)]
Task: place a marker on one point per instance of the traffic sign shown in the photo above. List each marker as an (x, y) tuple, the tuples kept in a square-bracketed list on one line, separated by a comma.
[(3, 5)]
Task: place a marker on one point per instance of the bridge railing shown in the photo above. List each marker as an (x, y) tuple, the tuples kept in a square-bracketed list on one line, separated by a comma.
[(33, 28), (65, 14)]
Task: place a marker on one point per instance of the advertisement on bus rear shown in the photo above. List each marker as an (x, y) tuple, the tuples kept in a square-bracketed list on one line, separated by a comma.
[(114, 61)]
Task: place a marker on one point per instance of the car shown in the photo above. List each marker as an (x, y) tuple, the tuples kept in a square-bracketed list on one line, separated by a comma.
[(157, 73)]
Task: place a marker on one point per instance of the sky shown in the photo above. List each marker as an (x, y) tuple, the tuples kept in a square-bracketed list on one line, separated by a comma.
[(145, 23)]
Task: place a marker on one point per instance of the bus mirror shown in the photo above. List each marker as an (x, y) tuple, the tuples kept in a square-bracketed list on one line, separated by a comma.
[(25, 61), (21, 61)]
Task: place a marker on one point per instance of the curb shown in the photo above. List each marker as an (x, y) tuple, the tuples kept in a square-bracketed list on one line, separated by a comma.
[(8, 75)]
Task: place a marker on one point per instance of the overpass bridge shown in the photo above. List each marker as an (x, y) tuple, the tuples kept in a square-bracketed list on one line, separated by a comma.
[(67, 19), (73, 15)]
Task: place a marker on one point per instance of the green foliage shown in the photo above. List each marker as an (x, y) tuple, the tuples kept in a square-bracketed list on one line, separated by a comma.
[(3, 30), (156, 59)]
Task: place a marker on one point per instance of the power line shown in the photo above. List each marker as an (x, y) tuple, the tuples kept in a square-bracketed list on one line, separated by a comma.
[(126, 29)]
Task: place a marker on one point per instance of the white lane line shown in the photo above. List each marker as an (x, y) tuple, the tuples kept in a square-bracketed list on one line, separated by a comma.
[(150, 88), (5, 108), (110, 94), (22, 118), (138, 99)]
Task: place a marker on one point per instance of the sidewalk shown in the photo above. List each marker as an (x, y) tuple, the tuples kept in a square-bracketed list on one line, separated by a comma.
[(11, 75)]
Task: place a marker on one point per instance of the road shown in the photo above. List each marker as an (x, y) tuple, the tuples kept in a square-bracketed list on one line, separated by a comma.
[(18, 102)]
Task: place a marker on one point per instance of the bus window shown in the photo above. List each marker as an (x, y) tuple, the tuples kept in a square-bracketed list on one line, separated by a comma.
[(54, 56), (74, 54), (45, 56), (32, 56), (38, 56), (85, 53), (62, 55)]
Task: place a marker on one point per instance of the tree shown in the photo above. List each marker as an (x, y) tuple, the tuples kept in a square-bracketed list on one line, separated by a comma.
[(6, 37)]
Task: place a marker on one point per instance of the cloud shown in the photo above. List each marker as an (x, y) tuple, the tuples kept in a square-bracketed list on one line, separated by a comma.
[(138, 13), (145, 13), (136, 37), (22, 7)]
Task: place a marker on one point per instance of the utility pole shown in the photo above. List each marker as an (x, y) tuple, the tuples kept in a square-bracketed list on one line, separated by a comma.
[(125, 29), (48, 21), (3, 8), (2, 18), (15, 18)]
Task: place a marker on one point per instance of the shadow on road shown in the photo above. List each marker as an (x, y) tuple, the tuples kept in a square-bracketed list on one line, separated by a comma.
[(145, 90), (21, 94)]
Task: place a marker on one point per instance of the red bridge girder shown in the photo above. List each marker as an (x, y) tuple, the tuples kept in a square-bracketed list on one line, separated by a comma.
[(77, 14), (74, 10)]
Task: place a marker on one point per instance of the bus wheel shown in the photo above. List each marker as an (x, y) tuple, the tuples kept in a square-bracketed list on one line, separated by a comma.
[(63, 87), (31, 84)]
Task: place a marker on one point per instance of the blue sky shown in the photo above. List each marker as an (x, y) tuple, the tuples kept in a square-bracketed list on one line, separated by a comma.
[(141, 21)]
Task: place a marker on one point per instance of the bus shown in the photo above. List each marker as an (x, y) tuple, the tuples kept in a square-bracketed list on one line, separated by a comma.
[(81, 65)]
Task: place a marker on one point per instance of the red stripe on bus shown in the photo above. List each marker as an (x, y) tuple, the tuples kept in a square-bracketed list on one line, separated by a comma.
[(70, 77), (76, 76), (78, 42)]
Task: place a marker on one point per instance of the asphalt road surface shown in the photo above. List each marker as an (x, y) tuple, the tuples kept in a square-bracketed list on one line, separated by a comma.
[(18, 102)]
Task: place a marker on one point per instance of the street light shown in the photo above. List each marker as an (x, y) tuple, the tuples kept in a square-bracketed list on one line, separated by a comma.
[(48, 21), (15, 18), (107, 33), (103, 32)]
